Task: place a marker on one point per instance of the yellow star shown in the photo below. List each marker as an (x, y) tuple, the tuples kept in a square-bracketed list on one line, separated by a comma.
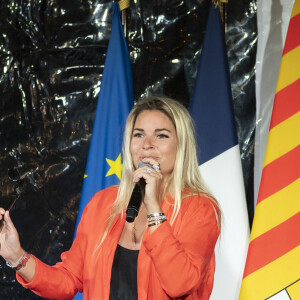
[(115, 167), (85, 176)]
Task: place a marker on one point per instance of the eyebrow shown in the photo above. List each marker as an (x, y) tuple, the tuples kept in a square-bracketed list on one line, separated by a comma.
[(156, 130)]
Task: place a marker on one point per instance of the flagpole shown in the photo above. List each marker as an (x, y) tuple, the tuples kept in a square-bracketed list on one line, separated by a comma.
[(124, 5), (222, 4)]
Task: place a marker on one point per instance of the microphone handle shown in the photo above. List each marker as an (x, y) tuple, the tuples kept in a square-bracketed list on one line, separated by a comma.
[(137, 196), (135, 200)]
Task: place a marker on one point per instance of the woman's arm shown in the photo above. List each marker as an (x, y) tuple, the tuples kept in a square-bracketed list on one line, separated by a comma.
[(182, 260), (46, 281), (10, 248), (54, 282)]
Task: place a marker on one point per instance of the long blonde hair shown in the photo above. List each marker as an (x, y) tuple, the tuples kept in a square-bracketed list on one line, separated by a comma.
[(185, 175)]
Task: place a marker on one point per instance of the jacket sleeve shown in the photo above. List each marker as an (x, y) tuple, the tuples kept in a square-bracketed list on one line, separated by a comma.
[(182, 261), (65, 279), (57, 282)]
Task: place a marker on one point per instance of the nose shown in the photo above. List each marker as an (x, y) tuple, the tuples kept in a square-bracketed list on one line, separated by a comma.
[(148, 144)]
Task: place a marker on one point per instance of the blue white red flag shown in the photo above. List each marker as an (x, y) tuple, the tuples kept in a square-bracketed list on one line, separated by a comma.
[(219, 158)]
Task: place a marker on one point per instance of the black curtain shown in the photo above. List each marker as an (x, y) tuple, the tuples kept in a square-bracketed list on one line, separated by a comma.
[(51, 61)]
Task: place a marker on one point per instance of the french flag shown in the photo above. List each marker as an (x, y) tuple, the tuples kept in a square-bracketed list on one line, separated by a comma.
[(219, 158)]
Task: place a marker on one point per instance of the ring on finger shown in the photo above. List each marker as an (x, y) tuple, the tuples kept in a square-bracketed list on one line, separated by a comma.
[(156, 168), (149, 171)]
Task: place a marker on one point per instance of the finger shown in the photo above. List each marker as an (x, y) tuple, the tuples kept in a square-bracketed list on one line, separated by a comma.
[(140, 173), (154, 166), (150, 160), (2, 211), (8, 221), (149, 174)]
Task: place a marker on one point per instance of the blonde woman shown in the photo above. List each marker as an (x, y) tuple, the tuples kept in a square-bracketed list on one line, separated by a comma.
[(167, 252)]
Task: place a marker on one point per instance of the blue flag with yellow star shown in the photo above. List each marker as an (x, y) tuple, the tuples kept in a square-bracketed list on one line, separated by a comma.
[(104, 164)]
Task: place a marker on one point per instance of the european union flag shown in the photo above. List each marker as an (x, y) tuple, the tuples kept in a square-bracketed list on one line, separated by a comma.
[(104, 164)]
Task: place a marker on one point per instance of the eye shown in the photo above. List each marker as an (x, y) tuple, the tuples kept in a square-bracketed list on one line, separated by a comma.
[(162, 136), (137, 135)]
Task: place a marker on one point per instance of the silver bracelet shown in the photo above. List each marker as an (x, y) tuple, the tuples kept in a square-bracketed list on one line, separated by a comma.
[(155, 215), (156, 223), (157, 218)]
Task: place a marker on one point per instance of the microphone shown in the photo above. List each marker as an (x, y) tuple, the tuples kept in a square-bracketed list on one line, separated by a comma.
[(137, 196)]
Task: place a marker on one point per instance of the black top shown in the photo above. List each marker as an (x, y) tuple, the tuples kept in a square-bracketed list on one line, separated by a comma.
[(123, 283)]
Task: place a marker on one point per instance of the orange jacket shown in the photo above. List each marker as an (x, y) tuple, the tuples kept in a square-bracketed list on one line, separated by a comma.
[(174, 261)]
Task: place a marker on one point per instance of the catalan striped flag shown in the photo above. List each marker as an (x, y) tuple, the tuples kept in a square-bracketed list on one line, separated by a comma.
[(273, 262)]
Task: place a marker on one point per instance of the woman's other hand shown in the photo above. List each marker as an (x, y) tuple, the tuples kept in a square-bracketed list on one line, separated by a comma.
[(10, 248)]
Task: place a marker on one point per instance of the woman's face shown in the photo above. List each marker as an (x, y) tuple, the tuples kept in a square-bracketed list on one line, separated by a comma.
[(154, 136)]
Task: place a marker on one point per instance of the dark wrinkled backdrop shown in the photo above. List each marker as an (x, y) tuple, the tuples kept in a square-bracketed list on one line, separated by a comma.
[(52, 54)]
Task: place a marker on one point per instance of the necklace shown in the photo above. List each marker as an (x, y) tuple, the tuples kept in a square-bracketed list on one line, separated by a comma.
[(138, 229), (133, 236)]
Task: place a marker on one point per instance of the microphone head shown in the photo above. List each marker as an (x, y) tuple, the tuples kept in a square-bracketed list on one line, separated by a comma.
[(142, 164), (142, 181)]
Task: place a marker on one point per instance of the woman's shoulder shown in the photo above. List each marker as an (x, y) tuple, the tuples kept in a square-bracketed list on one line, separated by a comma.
[(198, 201), (97, 211), (103, 199), (201, 208), (197, 196), (106, 193)]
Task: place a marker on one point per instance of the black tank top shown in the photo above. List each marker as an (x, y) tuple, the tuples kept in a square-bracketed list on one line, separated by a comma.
[(123, 283)]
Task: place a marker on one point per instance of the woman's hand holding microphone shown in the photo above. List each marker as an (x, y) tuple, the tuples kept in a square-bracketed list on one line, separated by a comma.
[(153, 178), (153, 191)]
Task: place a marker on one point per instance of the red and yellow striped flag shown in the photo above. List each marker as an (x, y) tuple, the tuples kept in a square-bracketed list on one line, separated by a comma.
[(272, 268)]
